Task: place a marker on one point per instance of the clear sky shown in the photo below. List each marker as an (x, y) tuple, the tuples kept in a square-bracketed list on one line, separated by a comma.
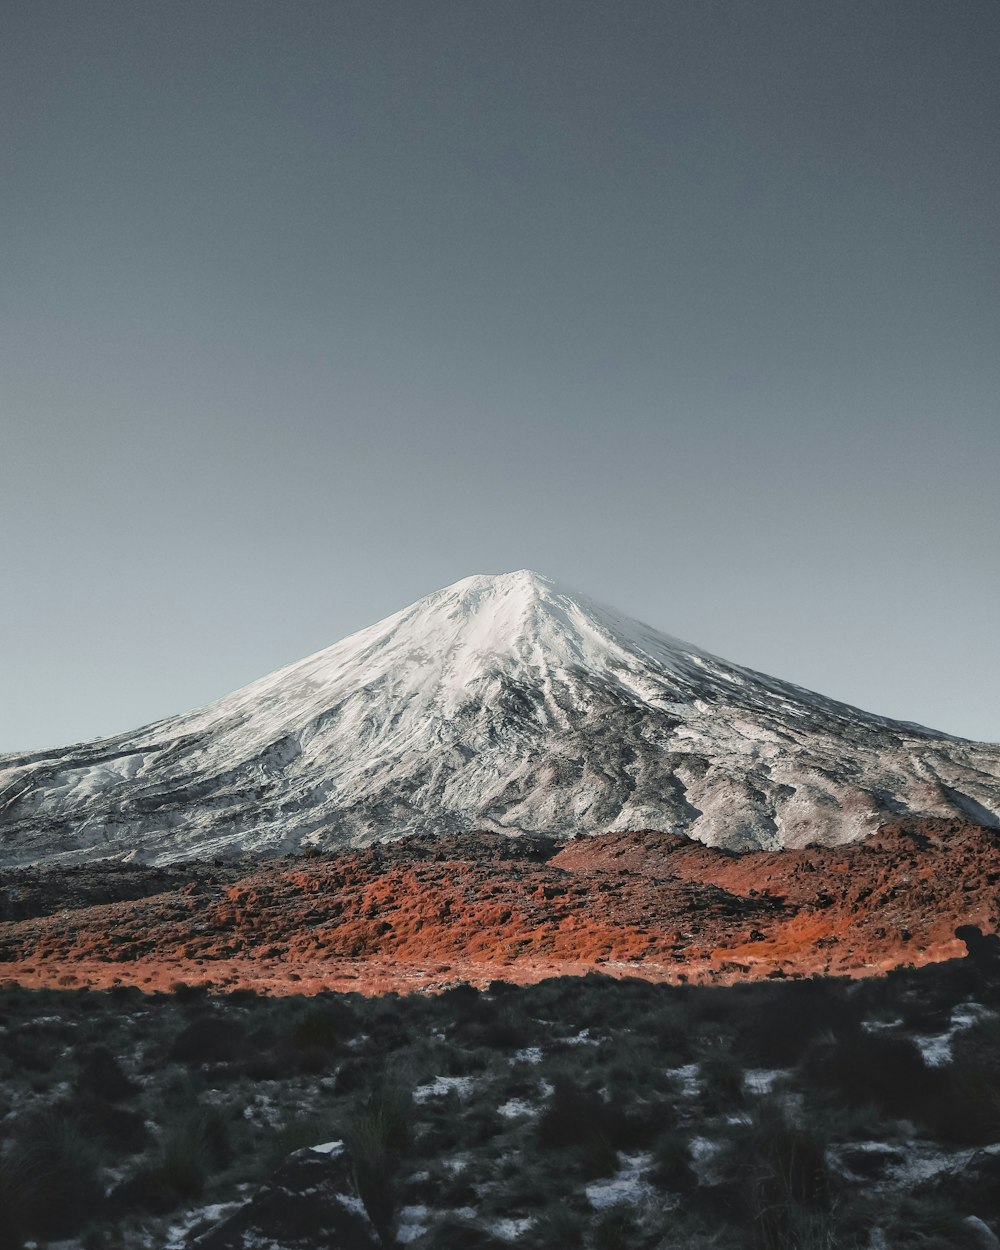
[(307, 309)]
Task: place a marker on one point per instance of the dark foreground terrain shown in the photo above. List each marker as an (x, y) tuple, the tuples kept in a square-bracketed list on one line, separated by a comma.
[(577, 1112)]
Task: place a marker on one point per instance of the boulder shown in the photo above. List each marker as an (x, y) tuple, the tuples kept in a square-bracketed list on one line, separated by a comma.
[(310, 1203)]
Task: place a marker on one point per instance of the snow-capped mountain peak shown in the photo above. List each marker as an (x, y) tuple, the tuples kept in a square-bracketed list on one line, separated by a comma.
[(499, 702)]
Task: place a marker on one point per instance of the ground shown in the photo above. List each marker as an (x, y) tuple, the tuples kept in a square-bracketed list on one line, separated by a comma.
[(427, 913), (588, 1112)]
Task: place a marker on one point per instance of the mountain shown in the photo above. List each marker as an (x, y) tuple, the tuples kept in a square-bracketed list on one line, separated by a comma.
[(501, 703)]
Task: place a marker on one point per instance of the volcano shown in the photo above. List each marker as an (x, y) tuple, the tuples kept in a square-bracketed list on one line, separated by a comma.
[(505, 704)]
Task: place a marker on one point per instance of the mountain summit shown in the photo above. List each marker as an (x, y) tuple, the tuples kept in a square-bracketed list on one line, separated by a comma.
[(504, 703)]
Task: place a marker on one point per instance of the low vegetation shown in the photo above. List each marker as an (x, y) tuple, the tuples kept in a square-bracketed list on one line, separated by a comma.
[(586, 1113)]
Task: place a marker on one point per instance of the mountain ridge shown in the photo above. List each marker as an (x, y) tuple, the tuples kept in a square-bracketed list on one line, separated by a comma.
[(501, 702)]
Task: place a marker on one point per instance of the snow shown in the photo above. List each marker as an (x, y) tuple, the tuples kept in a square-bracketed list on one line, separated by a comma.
[(263, 1112), (352, 1203), (539, 708), (762, 1080), (704, 1152), (686, 1079), (513, 1108), (936, 1047), (441, 1086), (582, 1038), (909, 1163), (510, 1229), (412, 1223), (177, 1234), (626, 1186)]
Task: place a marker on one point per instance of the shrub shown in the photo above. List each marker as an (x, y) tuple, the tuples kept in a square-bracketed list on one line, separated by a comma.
[(966, 1107), (185, 993), (120, 1130), (193, 1146), (376, 1137), (616, 1229), (578, 1120), (928, 1222), (671, 1168), (208, 1039), (318, 1028), (669, 1029), (722, 1084), (355, 1073), (559, 1228), (503, 1033), (455, 1234), (968, 1110), (571, 1115), (871, 1068), (781, 1022), (103, 1076), (780, 1169), (49, 1181)]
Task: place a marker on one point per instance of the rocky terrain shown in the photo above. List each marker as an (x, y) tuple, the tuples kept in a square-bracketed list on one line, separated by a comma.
[(430, 912), (503, 704)]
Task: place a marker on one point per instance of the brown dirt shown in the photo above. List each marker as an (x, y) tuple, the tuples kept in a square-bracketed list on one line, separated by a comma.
[(426, 913)]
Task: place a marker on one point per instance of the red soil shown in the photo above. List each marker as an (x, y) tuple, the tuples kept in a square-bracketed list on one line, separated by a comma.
[(423, 914)]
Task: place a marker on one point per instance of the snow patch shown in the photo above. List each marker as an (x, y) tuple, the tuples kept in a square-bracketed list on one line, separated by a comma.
[(762, 1080), (513, 1108), (626, 1186), (510, 1229), (413, 1223), (441, 1086)]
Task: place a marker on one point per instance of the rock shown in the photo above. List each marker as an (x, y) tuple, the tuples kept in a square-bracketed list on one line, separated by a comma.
[(980, 1234), (310, 1203), (974, 1186), (868, 1160)]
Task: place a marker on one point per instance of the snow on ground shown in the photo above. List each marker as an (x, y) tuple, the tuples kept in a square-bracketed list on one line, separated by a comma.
[(441, 1086), (582, 1038), (177, 1234), (625, 1186), (511, 1229), (879, 1026), (515, 1107), (686, 1079), (262, 1112), (762, 1080), (704, 1151), (936, 1047), (412, 1223), (904, 1164)]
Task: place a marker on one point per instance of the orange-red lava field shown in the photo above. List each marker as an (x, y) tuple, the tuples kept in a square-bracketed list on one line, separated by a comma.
[(426, 913)]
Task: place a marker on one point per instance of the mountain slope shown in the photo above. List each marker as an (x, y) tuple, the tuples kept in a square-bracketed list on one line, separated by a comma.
[(497, 703)]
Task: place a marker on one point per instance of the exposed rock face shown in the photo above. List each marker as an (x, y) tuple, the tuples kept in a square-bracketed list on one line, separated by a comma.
[(309, 1202), (499, 703)]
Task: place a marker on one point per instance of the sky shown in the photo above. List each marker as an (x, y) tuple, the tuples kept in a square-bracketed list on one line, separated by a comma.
[(308, 309)]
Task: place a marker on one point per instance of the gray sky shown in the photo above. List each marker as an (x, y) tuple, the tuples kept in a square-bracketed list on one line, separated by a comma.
[(307, 309)]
